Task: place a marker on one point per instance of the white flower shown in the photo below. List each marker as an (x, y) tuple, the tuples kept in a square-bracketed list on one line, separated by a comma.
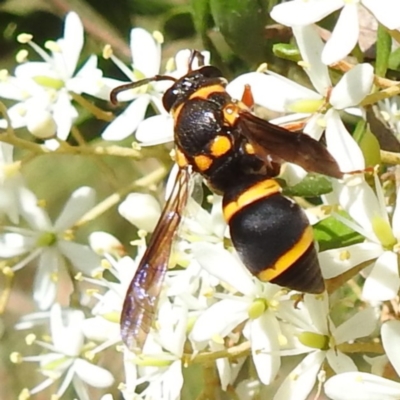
[(65, 357), (46, 242), (105, 243), (361, 385), (141, 210), (318, 335), (390, 111), (322, 106), (10, 183), (255, 308), (370, 219), (160, 128), (104, 327), (161, 364), (346, 32), (43, 88), (146, 60)]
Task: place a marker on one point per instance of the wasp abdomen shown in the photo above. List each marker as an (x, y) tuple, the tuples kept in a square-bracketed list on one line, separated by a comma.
[(273, 237)]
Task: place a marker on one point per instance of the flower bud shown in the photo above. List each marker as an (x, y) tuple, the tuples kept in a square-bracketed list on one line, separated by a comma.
[(141, 210), (41, 124)]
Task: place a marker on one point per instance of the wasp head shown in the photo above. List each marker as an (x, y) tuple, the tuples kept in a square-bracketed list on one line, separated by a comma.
[(184, 87)]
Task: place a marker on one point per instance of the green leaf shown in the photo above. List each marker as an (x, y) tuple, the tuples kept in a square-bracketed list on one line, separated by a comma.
[(242, 24), (179, 24), (203, 21), (312, 185), (394, 60), (201, 16), (148, 7), (383, 47), (330, 233)]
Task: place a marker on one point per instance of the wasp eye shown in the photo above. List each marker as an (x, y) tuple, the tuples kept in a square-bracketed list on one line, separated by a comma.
[(210, 72), (169, 98)]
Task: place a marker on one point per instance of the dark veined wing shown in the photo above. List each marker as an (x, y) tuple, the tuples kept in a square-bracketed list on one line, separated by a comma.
[(295, 147), (141, 298)]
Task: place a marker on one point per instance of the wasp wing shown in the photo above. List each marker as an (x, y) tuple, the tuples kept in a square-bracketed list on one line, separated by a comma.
[(296, 147), (141, 298)]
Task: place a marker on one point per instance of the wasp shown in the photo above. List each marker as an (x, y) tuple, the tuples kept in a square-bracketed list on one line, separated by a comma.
[(239, 155)]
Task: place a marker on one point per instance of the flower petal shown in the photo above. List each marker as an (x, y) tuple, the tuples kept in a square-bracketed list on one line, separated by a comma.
[(219, 319), (80, 202), (100, 330), (92, 374), (383, 282), (82, 257), (311, 46), (72, 42), (387, 12), (338, 261), (359, 325), (222, 264), (344, 36), (300, 381), (265, 346), (127, 122), (64, 113), (271, 90), (352, 87), (146, 52), (155, 130), (396, 217), (294, 13), (361, 386), (341, 144), (318, 308), (390, 332), (36, 217), (66, 331), (45, 286), (340, 362), (15, 244)]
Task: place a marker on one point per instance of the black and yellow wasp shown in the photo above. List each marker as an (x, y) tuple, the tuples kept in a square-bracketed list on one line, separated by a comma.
[(239, 155)]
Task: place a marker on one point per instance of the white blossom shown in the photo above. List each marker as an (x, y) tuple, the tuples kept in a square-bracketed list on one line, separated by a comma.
[(254, 307), (146, 61), (161, 364), (160, 128), (320, 108), (141, 210), (317, 335), (361, 385), (371, 220), (42, 88), (65, 357), (48, 242), (346, 32)]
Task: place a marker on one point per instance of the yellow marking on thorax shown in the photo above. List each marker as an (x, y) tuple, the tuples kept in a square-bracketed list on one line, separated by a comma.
[(220, 146), (203, 163), (249, 149), (180, 158)]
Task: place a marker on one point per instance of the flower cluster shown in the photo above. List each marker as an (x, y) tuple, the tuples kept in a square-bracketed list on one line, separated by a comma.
[(252, 338)]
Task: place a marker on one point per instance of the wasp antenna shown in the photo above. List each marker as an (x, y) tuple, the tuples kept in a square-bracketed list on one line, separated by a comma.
[(133, 85), (195, 54)]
